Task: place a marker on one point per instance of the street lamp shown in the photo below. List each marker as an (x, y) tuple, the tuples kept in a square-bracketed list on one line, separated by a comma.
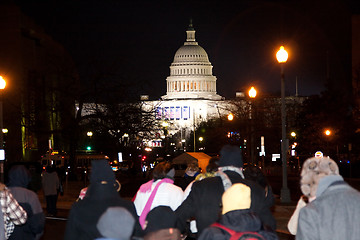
[(282, 57), (327, 132), (230, 117), (2, 152), (252, 94)]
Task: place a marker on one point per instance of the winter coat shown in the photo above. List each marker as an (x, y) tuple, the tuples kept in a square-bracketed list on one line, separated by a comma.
[(334, 214), (239, 221), (50, 183), (85, 214), (19, 178), (204, 202), (167, 195)]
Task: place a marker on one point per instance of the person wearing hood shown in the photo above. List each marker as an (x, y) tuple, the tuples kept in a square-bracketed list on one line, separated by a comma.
[(19, 178), (116, 223), (100, 195), (237, 217), (333, 210), (204, 201), (160, 191)]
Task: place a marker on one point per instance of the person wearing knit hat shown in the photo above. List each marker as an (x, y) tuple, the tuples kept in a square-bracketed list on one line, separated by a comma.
[(101, 194), (333, 211), (236, 216), (231, 155), (160, 191), (116, 223), (161, 224), (204, 200)]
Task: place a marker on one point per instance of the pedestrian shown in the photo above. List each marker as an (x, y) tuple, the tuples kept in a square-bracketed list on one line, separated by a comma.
[(204, 200), (116, 223), (161, 224), (255, 174), (191, 172), (11, 213), (237, 217), (19, 178), (100, 195), (211, 169), (333, 211), (50, 184), (160, 191)]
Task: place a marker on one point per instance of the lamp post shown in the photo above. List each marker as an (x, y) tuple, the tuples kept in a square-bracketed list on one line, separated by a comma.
[(282, 57), (327, 133), (252, 94), (2, 152), (200, 141)]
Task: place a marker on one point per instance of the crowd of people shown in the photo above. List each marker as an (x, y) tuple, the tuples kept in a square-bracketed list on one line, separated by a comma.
[(222, 202), (225, 202), (22, 213)]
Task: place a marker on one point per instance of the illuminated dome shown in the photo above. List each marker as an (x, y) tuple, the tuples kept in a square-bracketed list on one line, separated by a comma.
[(191, 72), (191, 53)]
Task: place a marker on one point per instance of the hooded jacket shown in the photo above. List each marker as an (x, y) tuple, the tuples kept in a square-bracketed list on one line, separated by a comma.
[(239, 221), (19, 178), (101, 195)]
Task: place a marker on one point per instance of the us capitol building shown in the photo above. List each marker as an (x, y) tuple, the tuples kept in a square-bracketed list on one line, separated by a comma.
[(191, 96)]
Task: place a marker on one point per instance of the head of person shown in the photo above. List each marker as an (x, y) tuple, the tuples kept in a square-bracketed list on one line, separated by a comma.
[(237, 197), (163, 170), (213, 164), (193, 166), (19, 176), (101, 173), (49, 169), (255, 174), (313, 170), (231, 155), (116, 223), (161, 217)]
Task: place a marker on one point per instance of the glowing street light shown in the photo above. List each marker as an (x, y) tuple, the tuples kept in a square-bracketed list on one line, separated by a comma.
[(230, 117), (293, 134), (201, 139), (327, 132), (89, 134), (252, 92), (282, 57)]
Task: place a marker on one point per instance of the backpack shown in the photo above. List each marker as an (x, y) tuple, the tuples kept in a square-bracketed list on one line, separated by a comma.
[(239, 235)]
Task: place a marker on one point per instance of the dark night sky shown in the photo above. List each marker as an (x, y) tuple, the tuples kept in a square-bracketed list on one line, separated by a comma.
[(137, 39)]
